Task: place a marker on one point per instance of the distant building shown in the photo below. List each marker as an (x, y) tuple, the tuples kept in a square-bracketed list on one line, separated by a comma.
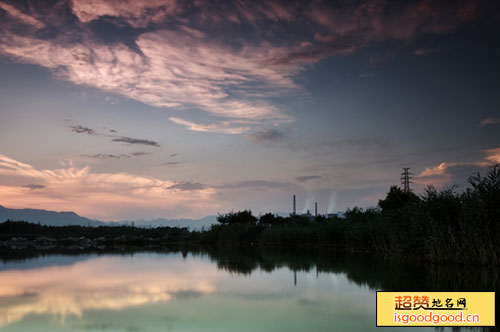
[(339, 214), (307, 215)]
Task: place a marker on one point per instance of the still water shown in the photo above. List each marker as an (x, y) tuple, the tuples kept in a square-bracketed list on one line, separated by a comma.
[(189, 292)]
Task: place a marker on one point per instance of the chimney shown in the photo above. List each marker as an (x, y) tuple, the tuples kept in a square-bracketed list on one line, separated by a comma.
[(316, 209), (294, 206)]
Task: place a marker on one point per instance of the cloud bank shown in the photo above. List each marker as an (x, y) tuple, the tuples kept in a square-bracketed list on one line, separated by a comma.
[(83, 130), (97, 195), (443, 174), (182, 54)]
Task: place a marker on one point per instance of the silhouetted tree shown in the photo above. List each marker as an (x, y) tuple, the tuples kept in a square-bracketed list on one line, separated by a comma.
[(270, 219), (396, 199), (267, 219), (240, 217)]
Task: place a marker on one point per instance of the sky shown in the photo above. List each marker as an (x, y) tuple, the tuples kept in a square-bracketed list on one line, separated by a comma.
[(165, 108)]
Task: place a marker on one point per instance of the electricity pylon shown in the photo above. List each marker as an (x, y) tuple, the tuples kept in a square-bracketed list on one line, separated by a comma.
[(406, 177)]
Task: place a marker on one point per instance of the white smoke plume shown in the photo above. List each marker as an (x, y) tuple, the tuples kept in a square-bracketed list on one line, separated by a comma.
[(309, 204), (332, 204)]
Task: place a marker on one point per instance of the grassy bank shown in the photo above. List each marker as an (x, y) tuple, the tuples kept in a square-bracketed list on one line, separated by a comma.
[(20, 235), (438, 226)]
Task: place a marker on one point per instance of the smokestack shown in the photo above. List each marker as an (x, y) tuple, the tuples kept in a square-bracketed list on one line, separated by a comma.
[(294, 206), (316, 209)]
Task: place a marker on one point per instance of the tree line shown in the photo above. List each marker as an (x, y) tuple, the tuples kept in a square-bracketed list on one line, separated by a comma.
[(439, 225)]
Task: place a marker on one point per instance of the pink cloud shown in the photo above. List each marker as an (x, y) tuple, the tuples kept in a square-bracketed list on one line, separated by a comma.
[(97, 195), (20, 16), (140, 13), (439, 175), (493, 155), (437, 170), (343, 29), (136, 12), (271, 10), (175, 69), (184, 68)]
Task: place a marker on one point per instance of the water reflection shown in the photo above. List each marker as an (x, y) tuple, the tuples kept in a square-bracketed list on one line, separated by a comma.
[(375, 272), (110, 282), (213, 290)]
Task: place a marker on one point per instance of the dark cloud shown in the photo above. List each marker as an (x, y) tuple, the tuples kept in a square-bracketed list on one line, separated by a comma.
[(343, 44), (124, 139), (307, 178), (174, 155), (187, 186), (350, 25), (114, 156), (271, 135), (34, 186), (109, 129), (168, 163), (105, 156), (139, 153), (83, 130), (130, 140)]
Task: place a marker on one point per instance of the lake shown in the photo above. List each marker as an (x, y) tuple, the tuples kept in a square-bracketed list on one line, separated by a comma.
[(218, 290)]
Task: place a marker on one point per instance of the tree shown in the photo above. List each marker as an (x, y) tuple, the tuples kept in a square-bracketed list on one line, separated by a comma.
[(396, 199), (240, 217), (270, 219)]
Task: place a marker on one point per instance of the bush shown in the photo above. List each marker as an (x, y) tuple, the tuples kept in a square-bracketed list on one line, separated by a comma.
[(240, 217)]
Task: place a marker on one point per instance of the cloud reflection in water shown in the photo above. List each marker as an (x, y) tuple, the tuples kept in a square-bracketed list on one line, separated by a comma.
[(111, 283)]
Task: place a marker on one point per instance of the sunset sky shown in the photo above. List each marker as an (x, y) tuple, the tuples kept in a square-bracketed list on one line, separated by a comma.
[(163, 108)]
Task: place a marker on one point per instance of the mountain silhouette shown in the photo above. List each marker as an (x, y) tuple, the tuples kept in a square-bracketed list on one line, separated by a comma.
[(53, 218), (45, 217)]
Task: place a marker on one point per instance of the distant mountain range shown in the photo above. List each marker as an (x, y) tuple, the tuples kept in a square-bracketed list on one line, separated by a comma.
[(53, 218), (45, 217)]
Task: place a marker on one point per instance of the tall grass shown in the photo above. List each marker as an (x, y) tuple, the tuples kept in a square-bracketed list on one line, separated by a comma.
[(439, 226)]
